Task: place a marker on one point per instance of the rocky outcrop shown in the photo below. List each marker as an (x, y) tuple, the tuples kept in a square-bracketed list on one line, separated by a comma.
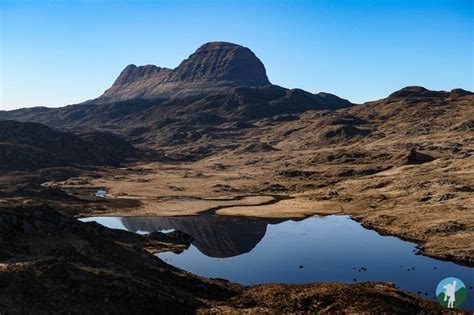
[(176, 237), (212, 67), (415, 157)]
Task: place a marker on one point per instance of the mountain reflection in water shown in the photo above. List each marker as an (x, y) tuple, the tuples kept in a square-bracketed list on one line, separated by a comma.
[(215, 236)]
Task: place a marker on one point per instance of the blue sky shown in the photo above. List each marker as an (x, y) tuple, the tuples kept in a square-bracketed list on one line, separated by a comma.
[(55, 53)]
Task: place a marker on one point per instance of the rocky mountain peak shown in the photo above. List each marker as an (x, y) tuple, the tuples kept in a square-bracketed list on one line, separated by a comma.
[(213, 66), (132, 73), (222, 61)]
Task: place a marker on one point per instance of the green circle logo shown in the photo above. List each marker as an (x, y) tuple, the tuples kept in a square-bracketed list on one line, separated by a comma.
[(451, 292)]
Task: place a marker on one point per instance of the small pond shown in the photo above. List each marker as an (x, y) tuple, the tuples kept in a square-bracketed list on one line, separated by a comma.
[(332, 248), (101, 193)]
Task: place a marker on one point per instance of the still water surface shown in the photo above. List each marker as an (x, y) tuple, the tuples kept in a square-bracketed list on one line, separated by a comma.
[(332, 248)]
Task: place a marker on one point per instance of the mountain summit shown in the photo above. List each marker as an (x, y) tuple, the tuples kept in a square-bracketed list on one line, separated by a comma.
[(212, 67)]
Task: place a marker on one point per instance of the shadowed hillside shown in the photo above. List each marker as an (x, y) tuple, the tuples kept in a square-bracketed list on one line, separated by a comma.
[(30, 146)]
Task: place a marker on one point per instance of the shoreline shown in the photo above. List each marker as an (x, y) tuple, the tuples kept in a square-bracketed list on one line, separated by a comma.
[(280, 206)]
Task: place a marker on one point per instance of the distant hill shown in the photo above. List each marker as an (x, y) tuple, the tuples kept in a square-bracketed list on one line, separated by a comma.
[(31, 146)]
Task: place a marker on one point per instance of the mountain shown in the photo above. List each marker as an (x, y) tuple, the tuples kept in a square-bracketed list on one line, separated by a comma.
[(213, 67), (31, 146)]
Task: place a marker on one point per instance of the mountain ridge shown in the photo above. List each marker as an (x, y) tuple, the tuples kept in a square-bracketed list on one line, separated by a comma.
[(139, 117)]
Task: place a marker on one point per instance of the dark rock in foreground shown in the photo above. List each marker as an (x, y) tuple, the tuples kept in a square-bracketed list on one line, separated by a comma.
[(176, 237)]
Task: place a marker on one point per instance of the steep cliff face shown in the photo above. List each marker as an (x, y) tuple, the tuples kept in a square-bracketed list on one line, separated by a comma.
[(212, 67)]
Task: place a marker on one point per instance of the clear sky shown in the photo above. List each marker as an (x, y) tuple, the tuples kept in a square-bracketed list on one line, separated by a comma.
[(55, 53)]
